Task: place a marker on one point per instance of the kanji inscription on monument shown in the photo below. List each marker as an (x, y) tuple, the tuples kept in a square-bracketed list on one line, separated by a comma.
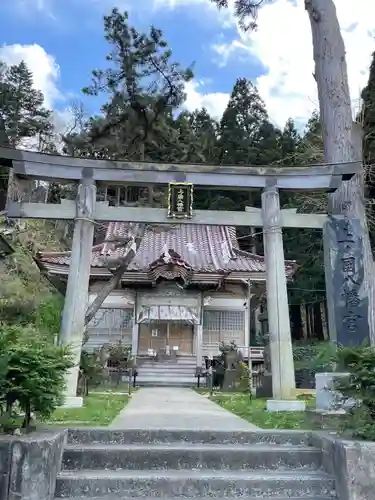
[(347, 273)]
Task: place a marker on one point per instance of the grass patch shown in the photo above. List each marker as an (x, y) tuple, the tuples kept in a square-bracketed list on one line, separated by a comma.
[(122, 387), (254, 411), (97, 410), (201, 390)]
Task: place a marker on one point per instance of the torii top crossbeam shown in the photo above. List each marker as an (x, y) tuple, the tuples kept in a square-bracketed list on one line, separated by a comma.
[(32, 165)]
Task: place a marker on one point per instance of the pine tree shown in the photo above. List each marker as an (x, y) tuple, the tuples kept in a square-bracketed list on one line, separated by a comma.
[(143, 86)]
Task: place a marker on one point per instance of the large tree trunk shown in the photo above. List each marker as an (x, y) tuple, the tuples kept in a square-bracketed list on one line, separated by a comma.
[(116, 279), (342, 141), (331, 76)]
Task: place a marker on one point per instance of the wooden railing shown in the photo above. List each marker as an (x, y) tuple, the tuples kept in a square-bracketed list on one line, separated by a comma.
[(256, 353)]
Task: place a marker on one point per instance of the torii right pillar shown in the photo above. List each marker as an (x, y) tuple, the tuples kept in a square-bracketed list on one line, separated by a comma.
[(282, 364)]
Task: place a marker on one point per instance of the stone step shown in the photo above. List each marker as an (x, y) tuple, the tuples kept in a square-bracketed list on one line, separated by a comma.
[(171, 368), (167, 367), (165, 378), (167, 383), (190, 456), (178, 360), (193, 483), (172, 373), (161, 371), (121, 497), (141, 436)]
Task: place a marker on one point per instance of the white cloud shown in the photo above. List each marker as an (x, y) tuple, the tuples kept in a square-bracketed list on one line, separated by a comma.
[(205, 9), (283, 44), (214, 102), (29, 7), (173, 4)]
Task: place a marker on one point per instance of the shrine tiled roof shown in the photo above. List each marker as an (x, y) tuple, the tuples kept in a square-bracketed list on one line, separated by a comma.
[(206, 249)]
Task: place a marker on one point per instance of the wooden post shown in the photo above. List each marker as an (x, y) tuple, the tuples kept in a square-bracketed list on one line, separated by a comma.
[(135, 330), (135, 337), (198, 330), (247, 315), (76, 298), (258, 324), (283, 381), (198, 344)]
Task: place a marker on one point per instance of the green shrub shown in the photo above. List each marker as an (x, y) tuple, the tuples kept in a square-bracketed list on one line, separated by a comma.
[(244, 377), (48, 315), (360, 386), (120, 355), (315, 357), (32, 371), (91, 372)]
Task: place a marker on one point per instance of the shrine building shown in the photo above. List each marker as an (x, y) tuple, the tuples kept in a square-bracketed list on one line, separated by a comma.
[(188, 288)]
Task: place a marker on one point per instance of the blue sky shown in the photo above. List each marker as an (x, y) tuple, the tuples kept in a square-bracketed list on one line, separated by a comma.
[(62, 41)]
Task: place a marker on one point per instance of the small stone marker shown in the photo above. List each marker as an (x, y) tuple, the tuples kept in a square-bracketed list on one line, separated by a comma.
[(327, 398)]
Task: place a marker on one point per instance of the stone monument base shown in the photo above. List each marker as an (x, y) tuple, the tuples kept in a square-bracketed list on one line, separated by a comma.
[(275, 405), (265, 389), (72, 402), (327, 397)]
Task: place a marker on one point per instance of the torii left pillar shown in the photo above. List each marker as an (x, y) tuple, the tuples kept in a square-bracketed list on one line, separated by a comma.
[(76, 298)]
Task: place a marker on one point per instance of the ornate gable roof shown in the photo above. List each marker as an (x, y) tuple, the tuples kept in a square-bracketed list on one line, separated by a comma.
[(196, 248)]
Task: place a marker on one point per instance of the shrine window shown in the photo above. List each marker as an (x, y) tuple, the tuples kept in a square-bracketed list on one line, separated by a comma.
[(223, 320)]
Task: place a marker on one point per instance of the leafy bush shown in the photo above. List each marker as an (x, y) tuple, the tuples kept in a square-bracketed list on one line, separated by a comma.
[(120, 355), (91, 372), (244, 377), (359, 386), (16, 306), (32, 371), (47, 316), (316, 357)]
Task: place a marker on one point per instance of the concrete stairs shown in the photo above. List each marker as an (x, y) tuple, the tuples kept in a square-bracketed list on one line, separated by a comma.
[(176, 373), (100, 464)]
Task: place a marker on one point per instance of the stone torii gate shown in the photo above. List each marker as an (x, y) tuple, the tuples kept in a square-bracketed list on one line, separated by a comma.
[(348, 259)]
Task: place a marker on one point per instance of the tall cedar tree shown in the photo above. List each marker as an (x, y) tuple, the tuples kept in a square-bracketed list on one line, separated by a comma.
[(22, 109), (246, 135), (288, 143), (24, 120)]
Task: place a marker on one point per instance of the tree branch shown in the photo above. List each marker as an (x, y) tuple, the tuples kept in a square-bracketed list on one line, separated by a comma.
[(123, 264)]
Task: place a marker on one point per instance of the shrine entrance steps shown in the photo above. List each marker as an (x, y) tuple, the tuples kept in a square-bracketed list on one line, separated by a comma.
[(179, 372), (113, 465), (173, 443)]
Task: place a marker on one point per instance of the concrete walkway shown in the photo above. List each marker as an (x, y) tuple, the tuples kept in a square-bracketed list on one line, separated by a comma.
[(176, 408)]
